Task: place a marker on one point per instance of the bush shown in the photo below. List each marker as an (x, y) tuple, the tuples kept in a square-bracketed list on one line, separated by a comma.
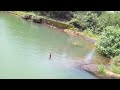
[(96, 21), (109, 42), (115, 66), (89, 32), (115, 69), (101, 69), (116, 60), (109, 19), (86, 20)]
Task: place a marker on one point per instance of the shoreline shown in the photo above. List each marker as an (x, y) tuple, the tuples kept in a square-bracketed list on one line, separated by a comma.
[(66, 28), (90, 68), (94, 71)]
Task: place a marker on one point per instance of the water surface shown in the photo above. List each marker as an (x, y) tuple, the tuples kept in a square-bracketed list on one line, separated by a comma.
[(25, 48)]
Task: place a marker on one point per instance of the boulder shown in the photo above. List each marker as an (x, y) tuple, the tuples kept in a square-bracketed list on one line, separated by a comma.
[(37, 20), (27, 16)]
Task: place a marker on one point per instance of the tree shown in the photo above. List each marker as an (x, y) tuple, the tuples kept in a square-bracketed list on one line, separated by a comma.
[(109, 42), (59, 15)]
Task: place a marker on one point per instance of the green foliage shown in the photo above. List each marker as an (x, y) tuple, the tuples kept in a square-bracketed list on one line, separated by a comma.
[(89, 32), (59, 15), (116, 60), (99, 12), (101, 69), (109, 42), (109, 19), (115, 66), (85, 20), (115, 69), (95, 21)]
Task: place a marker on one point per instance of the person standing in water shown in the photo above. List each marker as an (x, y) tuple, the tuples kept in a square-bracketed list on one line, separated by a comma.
[(50, 56)]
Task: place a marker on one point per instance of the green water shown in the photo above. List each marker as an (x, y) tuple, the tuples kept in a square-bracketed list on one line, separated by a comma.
[(25, 47)]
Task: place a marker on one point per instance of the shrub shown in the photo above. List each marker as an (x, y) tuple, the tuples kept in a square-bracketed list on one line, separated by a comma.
[(101, 69), (109, 42), (86, 20), (116, 60), (115, 66), (115, 69), (89, 32), (109, 19)]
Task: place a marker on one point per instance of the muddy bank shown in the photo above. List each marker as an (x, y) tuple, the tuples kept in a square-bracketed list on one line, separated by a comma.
[(79, 34)]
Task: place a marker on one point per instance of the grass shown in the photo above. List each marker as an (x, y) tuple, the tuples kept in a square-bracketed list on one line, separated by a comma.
[(90, 34), (114, 65), (101, 69), (115, 69)]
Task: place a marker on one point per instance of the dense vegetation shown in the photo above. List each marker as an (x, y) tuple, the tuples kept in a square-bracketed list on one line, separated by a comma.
[(109, 42)]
